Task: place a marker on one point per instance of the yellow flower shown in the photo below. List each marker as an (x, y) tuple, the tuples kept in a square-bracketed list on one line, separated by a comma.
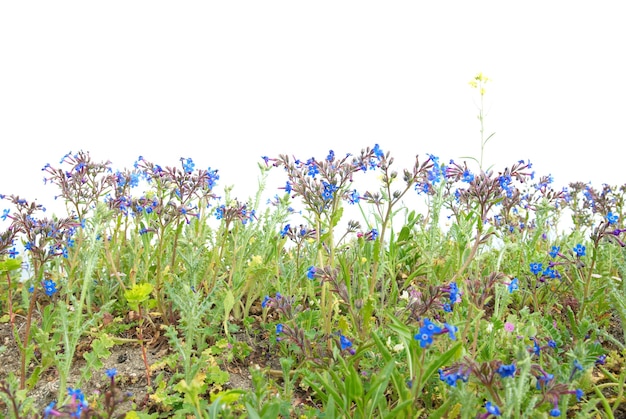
[(256, 260)]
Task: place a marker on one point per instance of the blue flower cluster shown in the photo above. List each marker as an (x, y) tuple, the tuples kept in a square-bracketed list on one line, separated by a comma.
[(430, 329)]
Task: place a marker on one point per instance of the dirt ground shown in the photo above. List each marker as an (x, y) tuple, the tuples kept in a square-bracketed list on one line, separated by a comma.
[(131, 373)]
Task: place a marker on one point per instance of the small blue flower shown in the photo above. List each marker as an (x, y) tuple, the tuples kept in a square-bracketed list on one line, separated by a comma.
[(50, 287), (555, 413), (188, 165), (579, 249), (536, 268), (492, 409), (310, 273), (5, 214), (513, 286), (455, 295), (451, 378), (506, 370), (424, 338), (378, 152), (13, 253), (577, 366), (612, 218), (265, 301), (353, 197), (555, 251), (451, 329), (431, 327), (544, 380), (111, 372), (285, 230), (50, 410), (344, 342), (579, 394), (468, 177), (279, 328), (551, 273)]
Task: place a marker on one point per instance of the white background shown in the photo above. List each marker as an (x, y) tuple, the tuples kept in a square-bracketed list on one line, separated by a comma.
[(227, 82)]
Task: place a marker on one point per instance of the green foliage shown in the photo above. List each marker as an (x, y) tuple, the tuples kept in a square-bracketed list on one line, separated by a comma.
[(289, 311)]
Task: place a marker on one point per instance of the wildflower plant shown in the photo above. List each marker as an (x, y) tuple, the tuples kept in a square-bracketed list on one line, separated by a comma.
[(453, 292)]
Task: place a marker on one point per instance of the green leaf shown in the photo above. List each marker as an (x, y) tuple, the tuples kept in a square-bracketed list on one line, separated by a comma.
[(10, 265), (138, 294)]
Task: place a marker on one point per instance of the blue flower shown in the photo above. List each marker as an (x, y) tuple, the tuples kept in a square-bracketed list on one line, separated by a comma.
[(536, 267), (579, 394), (451, 378), (612, 218), (111, 372), (513, 286), (310, 273), (219, 212), (468, 177), (506, 370), (50, 287), (285, 230), (544, 380), (492, 409), (555, 251), (265, 301), (551, 273), (344, 342), (13, 253), (50, 410), (188, 165), (312, 167), (378, 152), (451, 329), (5, 214), (331, 156), (431, 327), (424, 338), (279, 328), (354, 197), (455, 295), (579, 249), (555, 413)]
